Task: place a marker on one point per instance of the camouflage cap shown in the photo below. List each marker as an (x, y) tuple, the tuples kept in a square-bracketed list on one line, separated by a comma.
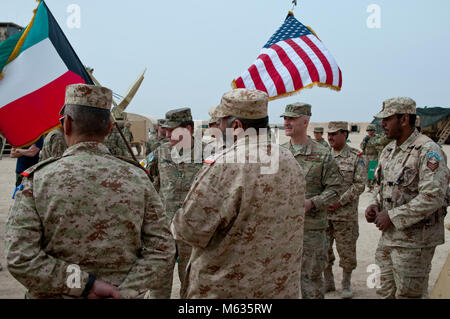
[(371, 127), (88, 95), (175, 118), (318, 129), (297, 109), (337, 126), (160, 122), (212, 120), (242, 103), (397, 105), (127, 124)]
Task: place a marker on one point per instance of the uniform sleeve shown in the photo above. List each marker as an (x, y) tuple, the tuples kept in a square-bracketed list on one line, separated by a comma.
[(154, 169), (363, 144), (331, 180), (202, 214), (153, 268), (359, 182), (433, 183), (40, 273)]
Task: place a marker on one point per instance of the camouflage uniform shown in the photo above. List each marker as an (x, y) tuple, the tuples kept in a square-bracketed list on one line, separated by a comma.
[(241, 249), (323, 181), (116, 144), (90, 210), (155, 141), (173, 177), (370, 150), (322, 140), (412, 180), (54, 145), (343, 223)]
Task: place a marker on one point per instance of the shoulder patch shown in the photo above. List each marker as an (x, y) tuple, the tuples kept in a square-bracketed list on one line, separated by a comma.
[(433, 154), (125, 159), (38, 166), (360, 154)]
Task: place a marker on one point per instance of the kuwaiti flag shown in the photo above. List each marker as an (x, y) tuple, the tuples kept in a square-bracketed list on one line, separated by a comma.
[(36, 65)]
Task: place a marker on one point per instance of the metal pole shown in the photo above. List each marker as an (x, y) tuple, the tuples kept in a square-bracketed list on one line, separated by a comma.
[(3, 145)]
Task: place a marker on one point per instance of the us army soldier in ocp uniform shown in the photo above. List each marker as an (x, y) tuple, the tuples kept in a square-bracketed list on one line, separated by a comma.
[(323, 181), (154, 142), (88, 224), (54, 145), (408, 205), (173, 176), (245, 224), (115, 143), (318, 133), (343, 214)]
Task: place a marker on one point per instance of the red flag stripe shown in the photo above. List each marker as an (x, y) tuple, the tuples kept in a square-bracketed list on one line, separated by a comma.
[(259, 84), (313, 73), (340, 78), (273, 73), (43, 104), (322, 59), (240, 83), (293, 71)]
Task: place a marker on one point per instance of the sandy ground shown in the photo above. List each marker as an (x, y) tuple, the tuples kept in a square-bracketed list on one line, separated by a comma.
[(366, 245)]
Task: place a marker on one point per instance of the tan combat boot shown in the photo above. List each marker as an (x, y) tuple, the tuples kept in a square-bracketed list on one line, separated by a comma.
[(346, 285), (328, 280)]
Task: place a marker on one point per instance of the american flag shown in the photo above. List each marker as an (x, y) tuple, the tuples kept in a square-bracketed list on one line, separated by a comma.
[(293, 59)]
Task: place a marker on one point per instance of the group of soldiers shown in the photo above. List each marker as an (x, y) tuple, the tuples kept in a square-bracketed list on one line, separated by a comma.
[(233, 230)]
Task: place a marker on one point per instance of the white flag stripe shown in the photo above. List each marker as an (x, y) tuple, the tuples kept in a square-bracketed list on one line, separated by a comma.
[(328, 56), (248, 81), (282, 70), (298, 62), (31, 70), (265, 78), (314, 58)]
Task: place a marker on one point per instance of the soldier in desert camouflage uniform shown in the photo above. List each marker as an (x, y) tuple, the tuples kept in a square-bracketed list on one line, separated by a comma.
[(318, 133), (173, 176), (154, 142), (409, 203), (323, 181), (88, 224), (245, 223), (343, 214), (54, 145), (115, 143), (370, 149)]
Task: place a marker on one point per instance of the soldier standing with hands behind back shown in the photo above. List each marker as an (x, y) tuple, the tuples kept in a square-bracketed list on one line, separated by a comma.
[(408, 205)]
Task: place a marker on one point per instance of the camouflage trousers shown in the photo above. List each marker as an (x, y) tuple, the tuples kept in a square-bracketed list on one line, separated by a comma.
[(345, 233), (404, 271), (314, 261)]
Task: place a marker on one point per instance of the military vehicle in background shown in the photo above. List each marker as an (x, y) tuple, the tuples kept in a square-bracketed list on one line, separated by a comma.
[(434, 122)]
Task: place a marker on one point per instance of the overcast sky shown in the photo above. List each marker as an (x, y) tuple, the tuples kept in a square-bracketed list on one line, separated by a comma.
[(193, 49)]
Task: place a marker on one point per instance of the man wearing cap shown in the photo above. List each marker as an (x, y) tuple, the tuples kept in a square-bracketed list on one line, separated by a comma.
[(54, 145), (173, 169), (343, 213), (408, 205), (318, 133), (153, 142), (88, 224), (370, 150), (244, 217), (115, 143), (323, 181)]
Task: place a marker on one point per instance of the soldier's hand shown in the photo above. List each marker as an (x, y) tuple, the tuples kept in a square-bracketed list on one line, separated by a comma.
[(334, 207), (371, 213), (101, 290), (308, 205), (383, 221)]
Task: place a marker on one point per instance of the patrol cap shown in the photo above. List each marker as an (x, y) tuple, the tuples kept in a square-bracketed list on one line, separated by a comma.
[(371, 127), (212, 120), (242, 103), (397, 105), (127, 124), (88, 95), (175, 118), (337, 126), (160, 122), (297, 109), (318, 129)]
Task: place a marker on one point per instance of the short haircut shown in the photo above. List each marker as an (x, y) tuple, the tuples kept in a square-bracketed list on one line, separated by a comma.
[(89, 121), (412, 119), (251, 123)]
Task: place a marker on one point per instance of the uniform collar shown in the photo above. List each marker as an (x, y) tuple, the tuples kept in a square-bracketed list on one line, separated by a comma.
[(305, 150), (94, 148), (344, 151), (406, 144)]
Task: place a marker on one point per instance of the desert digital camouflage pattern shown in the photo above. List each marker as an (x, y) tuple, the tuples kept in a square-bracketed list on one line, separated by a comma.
[(343, 223), (92, 210), (412, 181), (115, 143), (397, 105), (245, 227), (323, 182), (88, 95), (54, 145)]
